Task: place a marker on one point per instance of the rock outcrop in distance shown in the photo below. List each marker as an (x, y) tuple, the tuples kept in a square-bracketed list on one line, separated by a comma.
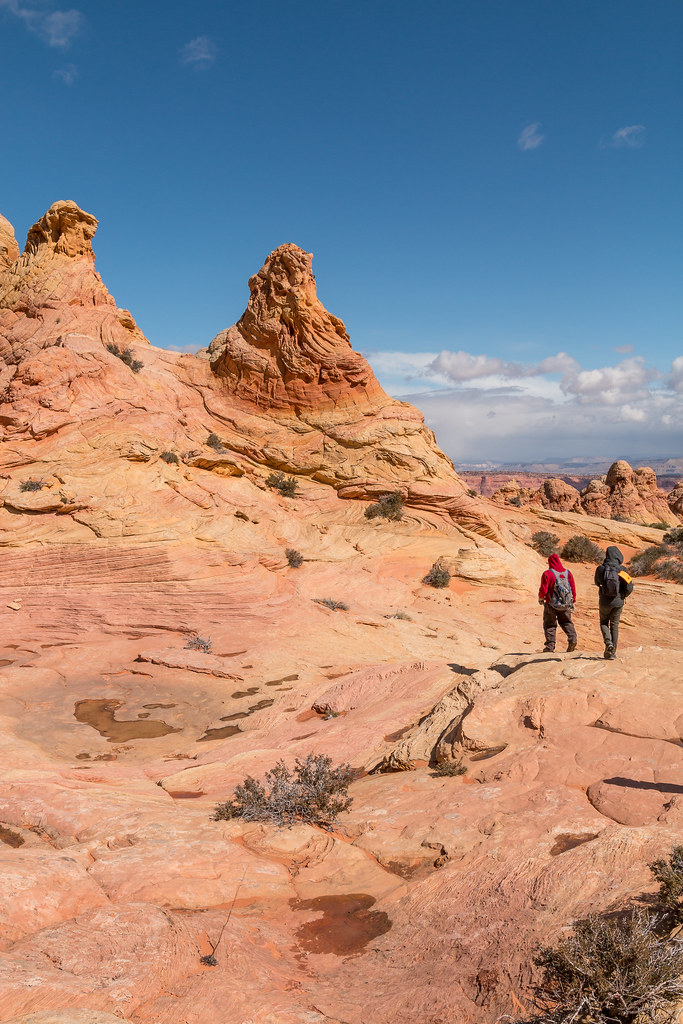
[(283, 388), (626, 493)]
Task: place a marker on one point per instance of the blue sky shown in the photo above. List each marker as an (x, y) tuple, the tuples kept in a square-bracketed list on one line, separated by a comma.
[(484, 184)]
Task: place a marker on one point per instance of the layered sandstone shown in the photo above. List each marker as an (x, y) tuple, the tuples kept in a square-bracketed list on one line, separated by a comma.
[(52, 291), (630, 493)]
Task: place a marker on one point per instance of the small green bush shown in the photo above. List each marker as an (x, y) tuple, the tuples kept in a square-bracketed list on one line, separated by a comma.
[(658, 526), (294, 557), (32, 485), (674, 536), (284, 485), (545, 543), (610, 972), (199, 643), (669, 874), (516, 501), (449, 769), (126, 356), (329, 603), (315, 793), (581, 549), (437, 576), (388, 506), (214, 441), (170, 457), (472, 493), (660, 560)]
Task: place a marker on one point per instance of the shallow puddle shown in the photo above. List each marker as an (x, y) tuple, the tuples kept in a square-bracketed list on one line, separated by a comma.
[(221, 733), (100, 715), (346, 926), (570, 842), (10, 838)]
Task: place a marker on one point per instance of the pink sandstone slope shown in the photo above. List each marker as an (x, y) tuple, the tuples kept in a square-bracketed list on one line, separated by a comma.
[(427, 899)]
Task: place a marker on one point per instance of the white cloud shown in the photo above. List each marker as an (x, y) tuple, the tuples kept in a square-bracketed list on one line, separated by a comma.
[(632, 135), (68, 74), (199, 53), (530, 137), (56, 28), (623, 350), (499, 411)]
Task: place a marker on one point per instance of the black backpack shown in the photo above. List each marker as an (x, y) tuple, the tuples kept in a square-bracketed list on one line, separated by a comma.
[(561, 598), (609, 587)]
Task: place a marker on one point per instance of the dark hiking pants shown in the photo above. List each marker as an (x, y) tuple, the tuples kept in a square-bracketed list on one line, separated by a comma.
[(609, 624), (552, 617)]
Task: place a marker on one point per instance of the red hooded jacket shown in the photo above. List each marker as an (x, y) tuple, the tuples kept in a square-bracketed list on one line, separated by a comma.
[(548, 580)]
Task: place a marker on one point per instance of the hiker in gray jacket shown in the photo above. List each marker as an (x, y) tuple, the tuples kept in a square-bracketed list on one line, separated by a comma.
[(614, 585)]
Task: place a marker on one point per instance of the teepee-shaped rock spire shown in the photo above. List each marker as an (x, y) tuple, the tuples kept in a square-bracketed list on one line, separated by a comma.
[(9, 250)]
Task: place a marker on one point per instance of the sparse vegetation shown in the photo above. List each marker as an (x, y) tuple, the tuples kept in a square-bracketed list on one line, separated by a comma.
[(472, 493), (610, 972), (284, 485), (399, 615), (330, 603), (664, 560), (171, 458), (515, 500), (437, 576), (214, 441), (449, 769), (32, 485), (199, 643), (294, 557), (669, 874), (580, 549), (658, 526), (545, 543), (126, 356), (388, 506), (315, 792)]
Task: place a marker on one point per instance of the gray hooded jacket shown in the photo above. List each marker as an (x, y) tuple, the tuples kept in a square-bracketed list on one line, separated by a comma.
[(613, 556)]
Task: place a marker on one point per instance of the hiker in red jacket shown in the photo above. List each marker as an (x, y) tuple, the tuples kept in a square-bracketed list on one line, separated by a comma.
[(557, 594)]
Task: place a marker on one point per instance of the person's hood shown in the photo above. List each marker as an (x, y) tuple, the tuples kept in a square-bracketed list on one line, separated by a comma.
[(614, 555), (555, 563)]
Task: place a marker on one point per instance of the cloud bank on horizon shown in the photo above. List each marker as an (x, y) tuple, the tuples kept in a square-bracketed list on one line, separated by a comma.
[(485, 409)]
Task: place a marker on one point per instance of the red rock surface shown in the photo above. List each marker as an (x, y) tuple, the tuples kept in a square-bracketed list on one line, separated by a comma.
[(427, 900)]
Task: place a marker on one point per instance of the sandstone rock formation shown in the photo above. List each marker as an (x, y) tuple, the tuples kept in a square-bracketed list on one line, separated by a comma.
[(675, 500), (512, 493), (120, 730), (52, 291), (627, 492), (9, 250), (557, 494)]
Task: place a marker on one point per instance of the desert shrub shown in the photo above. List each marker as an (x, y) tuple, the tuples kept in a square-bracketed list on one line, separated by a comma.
[(670, 570), (199, 643), (388, 506), (214, 441), (126, 356), (669, 874), (314, 792), (610, 972), (472, 493), (399, 615), (32, 485), (581, 549), (284, 485), (516, 501), (449, 769), (437, 576), (660, 560), (545, 543), (294, 557), (330, 603), (658, 526), (170, 457), (674, 536)]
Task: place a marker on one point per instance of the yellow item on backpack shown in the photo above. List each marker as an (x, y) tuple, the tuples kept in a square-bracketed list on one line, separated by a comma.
[(625, 576)]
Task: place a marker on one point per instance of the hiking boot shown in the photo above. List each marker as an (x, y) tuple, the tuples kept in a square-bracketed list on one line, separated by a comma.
[(571, 647), (548, 650), (609, 654)]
